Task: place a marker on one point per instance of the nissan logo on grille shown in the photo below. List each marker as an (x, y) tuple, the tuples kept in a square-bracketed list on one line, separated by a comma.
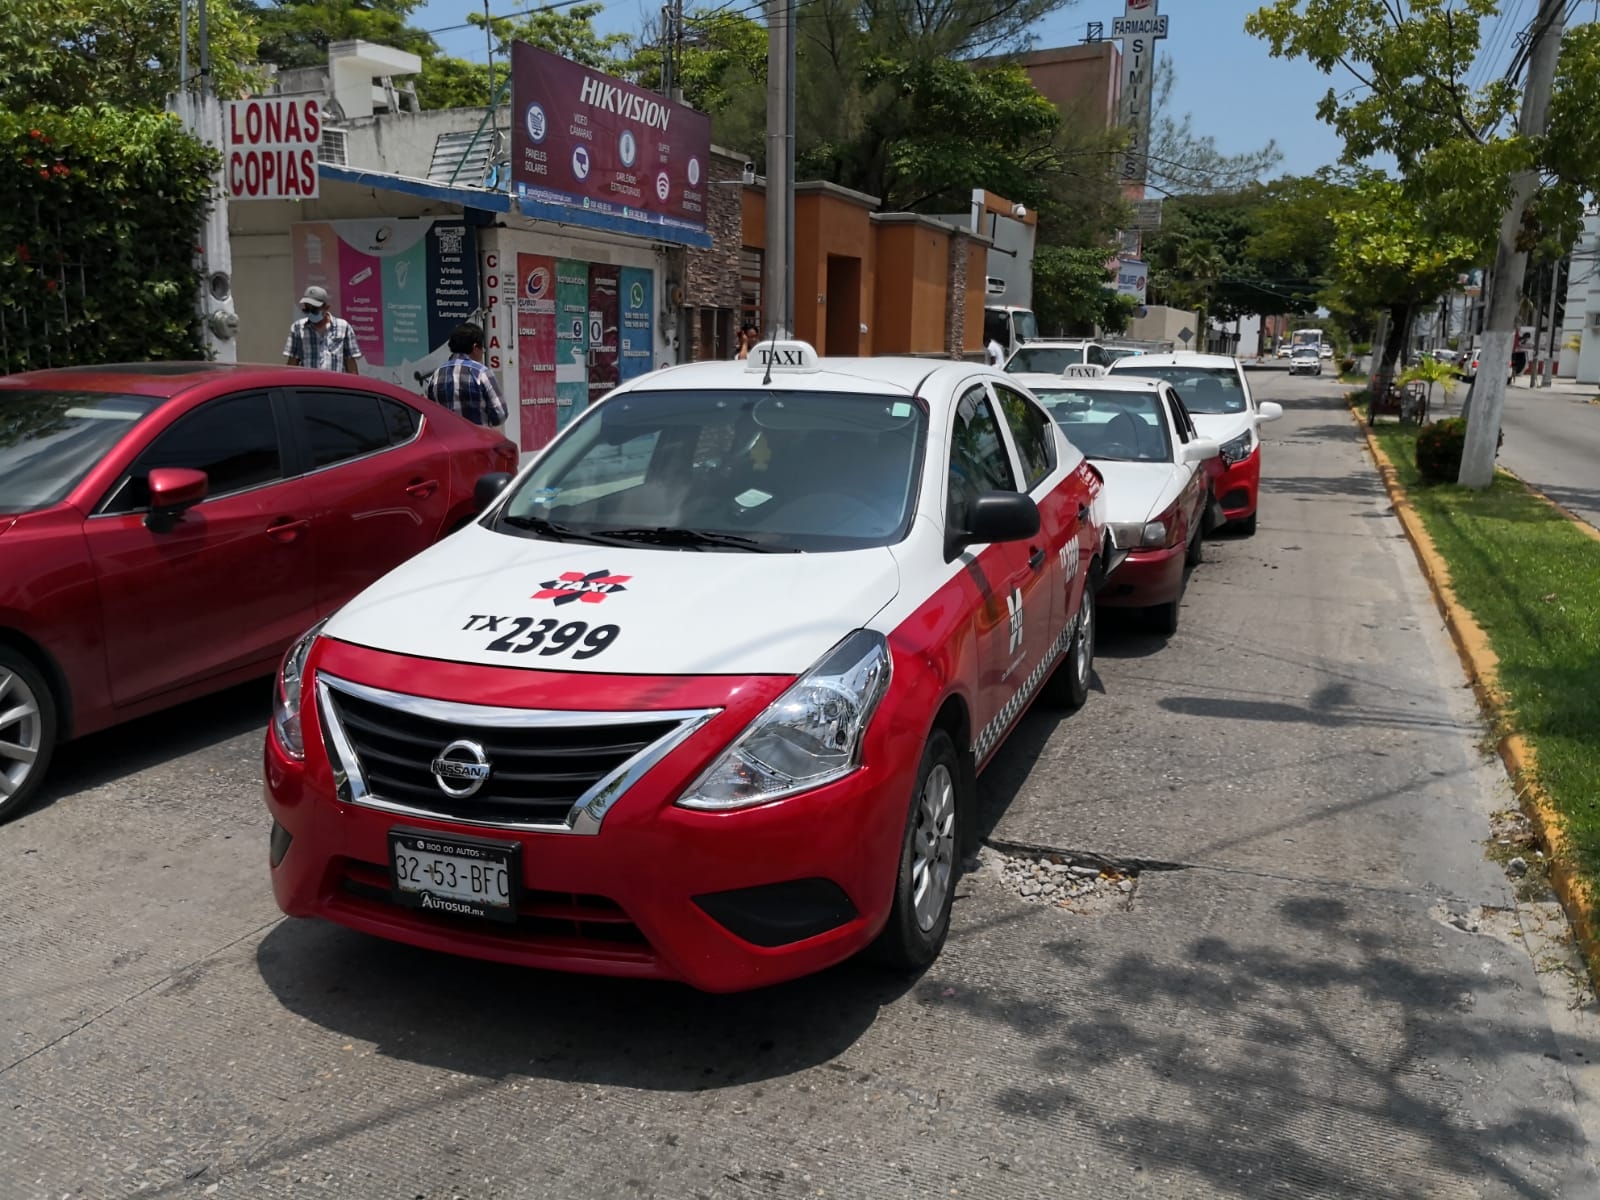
[(461, 768)]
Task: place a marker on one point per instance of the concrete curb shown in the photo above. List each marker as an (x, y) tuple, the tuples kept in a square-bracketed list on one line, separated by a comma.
[(1482, 668)]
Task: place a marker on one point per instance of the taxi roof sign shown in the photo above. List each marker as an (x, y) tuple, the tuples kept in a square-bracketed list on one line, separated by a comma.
[(779, 355)]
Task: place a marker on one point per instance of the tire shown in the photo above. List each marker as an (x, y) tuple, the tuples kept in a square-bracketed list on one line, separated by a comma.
[(28, 737), (1163, 618), (1068, 685), (1197, 550), (929, 862), (1246, 527)]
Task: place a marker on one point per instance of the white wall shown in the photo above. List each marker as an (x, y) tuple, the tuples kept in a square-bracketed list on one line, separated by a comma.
[(1583, 307)]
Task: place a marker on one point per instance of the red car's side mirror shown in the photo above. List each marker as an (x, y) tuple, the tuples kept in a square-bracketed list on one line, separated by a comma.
[(172, 490)]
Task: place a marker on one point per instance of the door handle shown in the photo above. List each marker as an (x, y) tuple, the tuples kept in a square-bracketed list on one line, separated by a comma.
[(1035, 558), (1083, 514), (287, 529), (422, 488)]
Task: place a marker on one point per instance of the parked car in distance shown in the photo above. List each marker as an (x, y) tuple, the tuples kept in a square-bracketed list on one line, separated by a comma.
[(1158, 491), (1051, 356), (705, 695), (167, 529), (1217, 394), (1306, 360), (1326, 350), (1284, 349)]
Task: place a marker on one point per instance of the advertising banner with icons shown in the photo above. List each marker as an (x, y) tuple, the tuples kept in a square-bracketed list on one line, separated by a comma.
[(572, 340), (403, 284), (591, 149), (536, 348), (636, 295), (603, 332)]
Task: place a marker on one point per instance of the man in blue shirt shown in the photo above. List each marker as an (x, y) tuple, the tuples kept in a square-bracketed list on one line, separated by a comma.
[(463, 384)]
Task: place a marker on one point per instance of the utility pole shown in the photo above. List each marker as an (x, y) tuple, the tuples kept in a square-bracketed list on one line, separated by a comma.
[(1548, 378), (488, 38), (201, 114), (778, 281), (668, 47), (1510, 264)]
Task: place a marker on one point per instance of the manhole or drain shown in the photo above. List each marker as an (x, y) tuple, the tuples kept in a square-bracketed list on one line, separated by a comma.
[(1062, 881)]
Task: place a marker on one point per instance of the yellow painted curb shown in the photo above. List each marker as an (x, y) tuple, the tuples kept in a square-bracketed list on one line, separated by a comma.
[(1482, 668)]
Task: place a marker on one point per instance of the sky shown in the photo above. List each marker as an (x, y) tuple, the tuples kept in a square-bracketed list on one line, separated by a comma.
[(1235, 90)]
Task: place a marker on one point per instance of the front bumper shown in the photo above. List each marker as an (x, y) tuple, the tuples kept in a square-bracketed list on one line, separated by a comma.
[(1236, 487), (1147, 577), (813, 874)]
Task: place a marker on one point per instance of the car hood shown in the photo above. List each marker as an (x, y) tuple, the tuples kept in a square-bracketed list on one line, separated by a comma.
[(1138, 491), (676, 612), (6, 522), (1222, 427)]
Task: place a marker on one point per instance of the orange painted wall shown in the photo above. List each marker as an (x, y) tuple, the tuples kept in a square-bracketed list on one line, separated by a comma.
[(913, 283), (825, 225), (755, 218)]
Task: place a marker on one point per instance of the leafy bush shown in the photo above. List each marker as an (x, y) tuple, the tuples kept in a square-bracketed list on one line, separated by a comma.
[(1347, 366), (100, 212), (1439, 449)]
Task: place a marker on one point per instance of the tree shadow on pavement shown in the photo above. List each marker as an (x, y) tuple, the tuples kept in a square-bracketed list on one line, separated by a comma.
[(493, 1021), (1320, 1059), (1332, 706)]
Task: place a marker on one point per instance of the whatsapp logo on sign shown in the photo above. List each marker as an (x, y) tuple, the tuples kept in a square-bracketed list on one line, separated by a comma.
[(636, 295)]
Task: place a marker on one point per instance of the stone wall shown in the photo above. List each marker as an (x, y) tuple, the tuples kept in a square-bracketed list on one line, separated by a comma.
[(711, 277), (955, 322)]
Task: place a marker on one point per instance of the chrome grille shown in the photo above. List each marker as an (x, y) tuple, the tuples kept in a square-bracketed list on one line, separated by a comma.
[(548, 769)]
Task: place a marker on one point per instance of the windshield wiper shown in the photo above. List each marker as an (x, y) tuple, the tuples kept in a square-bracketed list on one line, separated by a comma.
[(560, 532), (663, 535)]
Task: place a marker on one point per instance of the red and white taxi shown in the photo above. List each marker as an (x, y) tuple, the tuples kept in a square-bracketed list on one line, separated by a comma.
[(1137, 432), (704, 694), (1217, 394)]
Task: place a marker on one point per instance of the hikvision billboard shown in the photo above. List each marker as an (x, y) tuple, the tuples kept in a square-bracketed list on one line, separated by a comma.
[(592, 143)]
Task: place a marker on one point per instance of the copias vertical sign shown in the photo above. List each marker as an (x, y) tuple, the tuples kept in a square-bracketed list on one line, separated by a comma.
[(271, 148)]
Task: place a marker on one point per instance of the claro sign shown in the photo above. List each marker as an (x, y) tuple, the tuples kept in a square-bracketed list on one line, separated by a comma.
[(270, 148)]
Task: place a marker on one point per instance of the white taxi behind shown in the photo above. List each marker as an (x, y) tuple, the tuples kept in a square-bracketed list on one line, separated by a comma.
[(704, 693)]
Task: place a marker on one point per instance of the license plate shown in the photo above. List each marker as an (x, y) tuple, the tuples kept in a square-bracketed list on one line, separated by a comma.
[(455, 876)]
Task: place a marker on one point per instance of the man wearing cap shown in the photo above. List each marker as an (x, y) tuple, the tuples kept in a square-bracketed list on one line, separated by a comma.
[(320, 339)]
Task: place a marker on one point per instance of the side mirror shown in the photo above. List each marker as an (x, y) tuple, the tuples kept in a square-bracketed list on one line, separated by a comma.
[(488, 488), (1199, 450), (1269, 410), (172, 491), (996, 517)]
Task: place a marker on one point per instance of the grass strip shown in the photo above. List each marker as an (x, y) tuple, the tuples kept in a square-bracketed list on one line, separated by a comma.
[(1531, 579)]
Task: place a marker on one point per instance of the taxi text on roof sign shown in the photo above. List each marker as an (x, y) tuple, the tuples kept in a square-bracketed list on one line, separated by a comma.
[(783, 356)]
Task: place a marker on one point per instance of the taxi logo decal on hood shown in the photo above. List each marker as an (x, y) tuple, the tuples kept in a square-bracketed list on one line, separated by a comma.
[(590, 588)]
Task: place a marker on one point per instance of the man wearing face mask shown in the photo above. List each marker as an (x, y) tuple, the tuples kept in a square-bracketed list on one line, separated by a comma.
[(320, 339)]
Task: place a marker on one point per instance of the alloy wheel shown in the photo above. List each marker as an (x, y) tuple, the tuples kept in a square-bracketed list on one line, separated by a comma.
[(1083, 645), (933, 846), (21, 732)]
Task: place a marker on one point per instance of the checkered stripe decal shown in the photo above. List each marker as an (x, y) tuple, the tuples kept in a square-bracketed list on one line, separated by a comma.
[(991, 733)]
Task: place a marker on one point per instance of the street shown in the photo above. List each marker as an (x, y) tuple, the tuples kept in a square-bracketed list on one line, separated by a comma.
[(1553, 441), (1318, 986)]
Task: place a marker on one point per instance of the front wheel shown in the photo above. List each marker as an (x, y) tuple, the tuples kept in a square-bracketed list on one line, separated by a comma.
[(1247, 526), (1069, 683), (27, 731), (925, 873)]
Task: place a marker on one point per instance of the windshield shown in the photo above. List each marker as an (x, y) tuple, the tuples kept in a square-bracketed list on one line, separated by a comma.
[(1207, 390), (1027, 329), (756, 469), (1044, 360), (1115, 426), (49, 440)]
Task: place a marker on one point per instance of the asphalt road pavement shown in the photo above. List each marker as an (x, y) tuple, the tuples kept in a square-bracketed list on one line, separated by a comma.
[(1319, 987), (1553, 442)]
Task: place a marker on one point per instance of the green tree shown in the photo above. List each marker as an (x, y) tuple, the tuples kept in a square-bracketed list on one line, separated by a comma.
[(123, 53), (568, 32), (296, 33), (1071, 293), (99, 212), (1387, 255)]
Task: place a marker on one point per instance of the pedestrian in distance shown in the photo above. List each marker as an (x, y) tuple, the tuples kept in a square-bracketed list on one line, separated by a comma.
[(463, 384), (321, 340), (749, 335), (997, 353)]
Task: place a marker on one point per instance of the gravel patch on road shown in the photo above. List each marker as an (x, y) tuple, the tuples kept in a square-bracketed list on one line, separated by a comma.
[(1061, 881)]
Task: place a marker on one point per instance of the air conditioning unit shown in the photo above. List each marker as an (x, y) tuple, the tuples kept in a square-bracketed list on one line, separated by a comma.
[(994, 285), (332, 148)]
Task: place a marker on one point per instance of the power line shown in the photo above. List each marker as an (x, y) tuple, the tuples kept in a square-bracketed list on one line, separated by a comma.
[(527, 12)]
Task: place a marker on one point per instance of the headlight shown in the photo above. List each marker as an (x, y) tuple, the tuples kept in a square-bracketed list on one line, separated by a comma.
[(809, 736), (1132, 535), (291, 677), (1237, 449)]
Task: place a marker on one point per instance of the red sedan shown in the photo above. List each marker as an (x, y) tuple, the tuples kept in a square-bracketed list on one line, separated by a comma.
[(166, 530)]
